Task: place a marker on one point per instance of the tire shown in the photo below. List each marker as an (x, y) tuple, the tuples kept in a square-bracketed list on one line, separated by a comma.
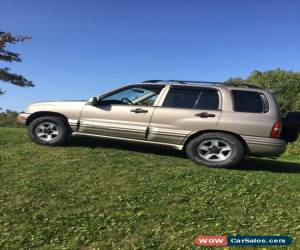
[(216, 149), (291, 126), (49, 131)]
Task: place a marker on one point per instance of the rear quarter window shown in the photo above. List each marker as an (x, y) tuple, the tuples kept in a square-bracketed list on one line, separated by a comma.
[(249, 101)]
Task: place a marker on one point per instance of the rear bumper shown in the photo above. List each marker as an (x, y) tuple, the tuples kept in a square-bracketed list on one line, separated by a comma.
[(22, 117), (264, 146)]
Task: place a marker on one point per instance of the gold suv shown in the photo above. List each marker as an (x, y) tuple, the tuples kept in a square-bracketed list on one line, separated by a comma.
[(216, 124)]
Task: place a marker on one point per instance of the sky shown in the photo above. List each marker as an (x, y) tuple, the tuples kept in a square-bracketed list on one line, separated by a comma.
[(82, 48)]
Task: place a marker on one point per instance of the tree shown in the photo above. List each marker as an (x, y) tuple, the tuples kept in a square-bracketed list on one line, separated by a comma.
[(8, 118), (285, 85), (9, 56)]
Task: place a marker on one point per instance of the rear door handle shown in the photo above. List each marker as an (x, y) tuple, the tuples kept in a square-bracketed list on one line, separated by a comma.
[(139, 110), (205, 115)]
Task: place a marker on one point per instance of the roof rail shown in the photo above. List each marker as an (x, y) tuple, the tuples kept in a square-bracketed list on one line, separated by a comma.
[(152, 81), (181, 81), (245, 85), (188, 81)]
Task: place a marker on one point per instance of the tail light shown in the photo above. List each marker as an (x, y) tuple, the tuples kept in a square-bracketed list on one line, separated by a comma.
[(276, 130)]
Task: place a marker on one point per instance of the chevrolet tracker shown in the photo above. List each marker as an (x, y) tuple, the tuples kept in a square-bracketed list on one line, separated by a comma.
[(216, 124)]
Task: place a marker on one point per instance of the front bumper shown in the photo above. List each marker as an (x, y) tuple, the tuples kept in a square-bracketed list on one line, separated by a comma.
[(22, 118), (264, 146)]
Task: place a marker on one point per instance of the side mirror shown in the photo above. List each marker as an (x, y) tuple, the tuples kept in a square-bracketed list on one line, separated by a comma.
[(92, 101)]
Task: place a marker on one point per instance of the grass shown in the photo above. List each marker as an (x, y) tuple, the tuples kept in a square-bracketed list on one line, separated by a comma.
[(95, 194)]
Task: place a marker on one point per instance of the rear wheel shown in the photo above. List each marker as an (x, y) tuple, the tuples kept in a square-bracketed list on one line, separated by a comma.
[(49, 130), (216, 150)]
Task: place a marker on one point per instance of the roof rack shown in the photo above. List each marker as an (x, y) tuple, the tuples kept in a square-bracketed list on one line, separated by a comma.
[(181, 81), (152, 81), (188, 81), (243, 85)]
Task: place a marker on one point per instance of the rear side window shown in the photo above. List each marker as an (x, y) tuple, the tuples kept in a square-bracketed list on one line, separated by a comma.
[(208, 99), (249, 101), (192, 98)]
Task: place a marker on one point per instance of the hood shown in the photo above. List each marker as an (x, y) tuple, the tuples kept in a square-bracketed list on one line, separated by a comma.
[(67, 102), (56, 106)]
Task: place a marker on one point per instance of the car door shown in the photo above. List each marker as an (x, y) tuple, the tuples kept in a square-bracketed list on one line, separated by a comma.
[(124, 113), (183, 111)]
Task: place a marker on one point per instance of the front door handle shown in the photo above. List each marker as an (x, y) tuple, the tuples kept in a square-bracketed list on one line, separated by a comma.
[(139, 110), (205, 115)]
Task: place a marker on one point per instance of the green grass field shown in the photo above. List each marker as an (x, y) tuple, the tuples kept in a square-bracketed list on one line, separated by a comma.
[(95, 194)]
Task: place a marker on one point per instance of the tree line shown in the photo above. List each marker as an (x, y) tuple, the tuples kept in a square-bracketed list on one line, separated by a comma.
[(284, 84)]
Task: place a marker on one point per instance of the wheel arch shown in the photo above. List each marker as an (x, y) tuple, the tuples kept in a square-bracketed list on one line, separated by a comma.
[(39, 114), (201, 132)]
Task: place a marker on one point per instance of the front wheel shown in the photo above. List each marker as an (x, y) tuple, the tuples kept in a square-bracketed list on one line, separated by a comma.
[(49, 131), (216, 150)]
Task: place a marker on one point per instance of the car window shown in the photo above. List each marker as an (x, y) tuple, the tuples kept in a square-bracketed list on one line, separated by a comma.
[(181, 98), (148, 101), (249, 101), (134, 96), (208, 99), (192, 98)]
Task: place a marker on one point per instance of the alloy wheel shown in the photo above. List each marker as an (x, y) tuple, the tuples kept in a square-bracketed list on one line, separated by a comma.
[(214, 150)]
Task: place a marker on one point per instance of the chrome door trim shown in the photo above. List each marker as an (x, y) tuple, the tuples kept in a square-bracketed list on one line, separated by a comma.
[(169, 132), (112, 126), (175, 146)]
